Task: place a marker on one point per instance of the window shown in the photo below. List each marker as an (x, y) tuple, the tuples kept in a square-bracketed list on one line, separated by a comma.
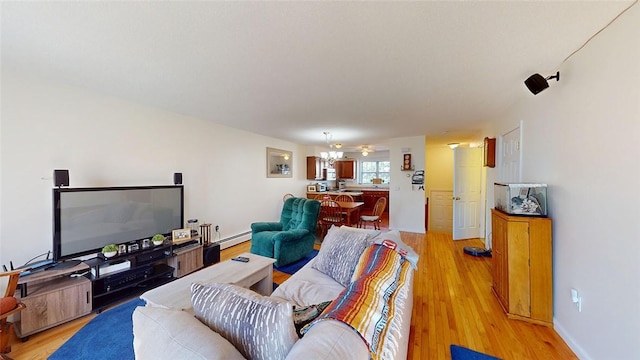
[(375, 169)]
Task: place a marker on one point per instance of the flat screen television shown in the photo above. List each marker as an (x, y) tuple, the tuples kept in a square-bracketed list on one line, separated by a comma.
[(87, 219)]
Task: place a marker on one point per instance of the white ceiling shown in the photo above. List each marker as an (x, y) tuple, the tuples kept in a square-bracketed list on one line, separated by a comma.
[(365, 71)]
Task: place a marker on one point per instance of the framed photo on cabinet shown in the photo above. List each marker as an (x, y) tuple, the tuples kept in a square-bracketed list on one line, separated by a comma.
[(180, 235), (489, 158)]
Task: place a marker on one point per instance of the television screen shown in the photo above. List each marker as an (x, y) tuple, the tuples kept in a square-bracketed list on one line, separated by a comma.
[(87, 219)]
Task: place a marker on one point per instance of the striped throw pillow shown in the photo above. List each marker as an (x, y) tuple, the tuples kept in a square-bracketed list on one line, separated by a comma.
[(259, 327)]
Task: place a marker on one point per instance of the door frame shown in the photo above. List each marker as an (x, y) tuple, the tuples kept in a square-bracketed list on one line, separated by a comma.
[(472, 200)]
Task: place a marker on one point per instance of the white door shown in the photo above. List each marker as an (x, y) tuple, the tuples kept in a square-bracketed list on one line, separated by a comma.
[(440, 211), (467, 185), (510, 156)]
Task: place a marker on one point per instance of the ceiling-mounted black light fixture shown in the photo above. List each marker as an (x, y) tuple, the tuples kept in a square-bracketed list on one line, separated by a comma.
[(536, 83)]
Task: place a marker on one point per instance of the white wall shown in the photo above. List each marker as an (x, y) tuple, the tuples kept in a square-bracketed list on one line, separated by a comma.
[(406, 203), (105, 141), (439, 163), (581, 137)]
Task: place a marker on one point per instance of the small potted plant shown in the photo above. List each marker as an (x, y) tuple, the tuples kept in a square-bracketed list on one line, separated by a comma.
[(157, 239), (110, 250)]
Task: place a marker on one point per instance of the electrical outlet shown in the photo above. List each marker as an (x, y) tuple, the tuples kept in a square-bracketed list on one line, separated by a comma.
[(216, 234), (576, 299)]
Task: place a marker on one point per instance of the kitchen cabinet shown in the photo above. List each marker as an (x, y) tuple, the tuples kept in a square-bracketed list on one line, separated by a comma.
[(345, 169), (522, 267), (369, 197), (315, 168)]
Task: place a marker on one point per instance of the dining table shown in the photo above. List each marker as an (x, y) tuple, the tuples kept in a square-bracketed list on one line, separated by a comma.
[(352, 208)]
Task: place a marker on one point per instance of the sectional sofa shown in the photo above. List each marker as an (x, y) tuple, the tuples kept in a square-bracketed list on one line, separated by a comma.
[(353, 301)]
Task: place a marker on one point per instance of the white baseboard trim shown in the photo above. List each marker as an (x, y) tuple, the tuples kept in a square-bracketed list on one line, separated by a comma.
[(235, 240), (577, 349)]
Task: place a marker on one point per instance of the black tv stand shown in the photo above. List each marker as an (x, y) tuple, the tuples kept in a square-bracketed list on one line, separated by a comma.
[(146, 269), (67, 264)]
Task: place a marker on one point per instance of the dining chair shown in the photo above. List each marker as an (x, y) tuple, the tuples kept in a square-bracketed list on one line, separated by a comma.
[(286, 196), (330, 214), (9, 305), (344, 198), (376, 214)]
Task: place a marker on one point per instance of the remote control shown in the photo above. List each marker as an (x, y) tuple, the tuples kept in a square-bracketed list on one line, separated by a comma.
[(241, 259)]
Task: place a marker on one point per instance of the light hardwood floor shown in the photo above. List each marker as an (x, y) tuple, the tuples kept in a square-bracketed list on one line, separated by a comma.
[(453, 304)]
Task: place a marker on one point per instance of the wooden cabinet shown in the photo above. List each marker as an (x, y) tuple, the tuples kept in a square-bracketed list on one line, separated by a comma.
[(51, 301), (345, 169), (315, 168), (369, 197), (489, 150), (522, 266), (186, 260)]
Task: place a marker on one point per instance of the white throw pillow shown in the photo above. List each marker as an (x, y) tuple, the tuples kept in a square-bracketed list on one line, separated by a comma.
[(340, 252), (160, 333), (261, 328), (393, 241)]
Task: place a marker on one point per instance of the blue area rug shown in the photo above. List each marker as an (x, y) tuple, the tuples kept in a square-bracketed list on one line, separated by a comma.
[(107, 336), (462, 353), (293, 267)]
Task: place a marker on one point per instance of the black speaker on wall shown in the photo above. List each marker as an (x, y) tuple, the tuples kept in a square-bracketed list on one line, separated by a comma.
[(61, 178), (536, 82), (177, 178)]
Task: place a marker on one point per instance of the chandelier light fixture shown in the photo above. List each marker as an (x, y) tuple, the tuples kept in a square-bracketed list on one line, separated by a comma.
[(453, 145), (331, 155), (366, 150)]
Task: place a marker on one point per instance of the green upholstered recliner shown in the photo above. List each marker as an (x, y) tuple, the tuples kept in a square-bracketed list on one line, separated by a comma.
[(293, 237)]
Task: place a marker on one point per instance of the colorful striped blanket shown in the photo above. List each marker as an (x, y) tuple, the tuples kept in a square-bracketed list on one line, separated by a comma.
[(373, 302)]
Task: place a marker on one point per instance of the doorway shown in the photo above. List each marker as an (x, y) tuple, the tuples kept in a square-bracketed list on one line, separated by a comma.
[(441, 215), (467, 193)]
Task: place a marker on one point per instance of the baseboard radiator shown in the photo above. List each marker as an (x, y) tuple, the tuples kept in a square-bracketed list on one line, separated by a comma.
[(234, 240)]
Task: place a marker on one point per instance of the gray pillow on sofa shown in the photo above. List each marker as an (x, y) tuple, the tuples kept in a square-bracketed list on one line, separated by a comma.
[(340, 252), (259, 327)]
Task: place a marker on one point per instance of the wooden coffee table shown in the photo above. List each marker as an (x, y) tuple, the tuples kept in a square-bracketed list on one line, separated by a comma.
[(257, 274)]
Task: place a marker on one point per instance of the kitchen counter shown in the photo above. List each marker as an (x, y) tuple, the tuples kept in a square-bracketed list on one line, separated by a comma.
[(352, 192), (335, 193), (369, 196)]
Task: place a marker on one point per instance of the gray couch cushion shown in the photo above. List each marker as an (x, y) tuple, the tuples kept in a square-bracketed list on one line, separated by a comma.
[(173, 334), (259, 327), (340, 252)]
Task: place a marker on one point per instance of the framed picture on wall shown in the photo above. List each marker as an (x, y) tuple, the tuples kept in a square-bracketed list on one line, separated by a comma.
[(279, 163)]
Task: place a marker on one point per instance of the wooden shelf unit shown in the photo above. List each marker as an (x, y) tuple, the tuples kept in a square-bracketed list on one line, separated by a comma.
[(55, 296), (52, 297), (522, 266), (186, 260)]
